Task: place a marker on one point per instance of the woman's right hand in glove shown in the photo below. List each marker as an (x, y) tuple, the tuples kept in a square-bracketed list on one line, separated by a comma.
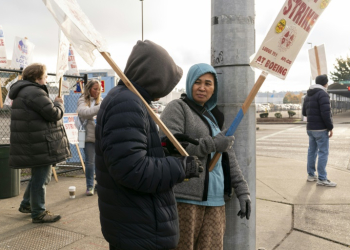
[(192, 166), (222, 142)]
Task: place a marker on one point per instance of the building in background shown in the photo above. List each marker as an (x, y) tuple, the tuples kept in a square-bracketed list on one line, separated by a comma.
[(108, 78), (175, 94)]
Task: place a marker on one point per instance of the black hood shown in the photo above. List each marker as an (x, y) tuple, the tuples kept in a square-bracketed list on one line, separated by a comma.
[(18, 86), (152, 68)]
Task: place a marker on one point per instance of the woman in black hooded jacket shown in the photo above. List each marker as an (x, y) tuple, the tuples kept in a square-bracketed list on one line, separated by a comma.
[(136, 180)]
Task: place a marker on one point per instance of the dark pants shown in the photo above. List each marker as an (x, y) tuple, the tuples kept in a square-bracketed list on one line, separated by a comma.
[(34, 196)]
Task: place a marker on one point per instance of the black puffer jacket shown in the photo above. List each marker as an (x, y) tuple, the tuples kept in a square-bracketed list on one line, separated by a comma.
[(38, 137), (135, 180), (317, 109)]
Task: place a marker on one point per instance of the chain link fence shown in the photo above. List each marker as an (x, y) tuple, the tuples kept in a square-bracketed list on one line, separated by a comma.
[(70, 104)]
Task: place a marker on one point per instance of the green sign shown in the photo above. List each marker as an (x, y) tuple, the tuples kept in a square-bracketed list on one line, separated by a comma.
[(344, 82)]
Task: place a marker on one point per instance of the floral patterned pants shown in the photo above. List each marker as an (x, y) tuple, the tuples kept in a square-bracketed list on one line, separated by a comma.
[(201, 227)]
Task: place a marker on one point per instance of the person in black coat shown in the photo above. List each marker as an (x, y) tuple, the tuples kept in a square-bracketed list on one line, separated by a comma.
[(38, 139), (135, 180), (317, 109)]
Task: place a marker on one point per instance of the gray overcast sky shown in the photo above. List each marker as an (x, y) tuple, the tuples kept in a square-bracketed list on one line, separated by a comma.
[(182, 27)]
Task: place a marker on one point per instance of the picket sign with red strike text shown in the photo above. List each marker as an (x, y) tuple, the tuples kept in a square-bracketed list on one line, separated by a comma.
[(69, 125), (3, 60), (72, 65), (279, 49), (287, 35)]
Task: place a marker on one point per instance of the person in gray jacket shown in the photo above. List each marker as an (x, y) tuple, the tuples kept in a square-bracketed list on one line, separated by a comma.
[(88, 106), (200, 201), (38, 139)]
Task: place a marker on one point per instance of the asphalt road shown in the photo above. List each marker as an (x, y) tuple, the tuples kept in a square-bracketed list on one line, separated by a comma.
[(291, 141)]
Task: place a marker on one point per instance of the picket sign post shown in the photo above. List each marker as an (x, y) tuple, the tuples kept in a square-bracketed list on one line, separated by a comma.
[(81, 87), (1, 103), (54, 172), (317, 61), (80, 157), (131, 87), (240, 114), (60, 87), (59, 95)]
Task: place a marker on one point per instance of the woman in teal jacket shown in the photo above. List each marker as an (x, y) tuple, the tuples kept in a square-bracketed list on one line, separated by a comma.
[(200, 201)]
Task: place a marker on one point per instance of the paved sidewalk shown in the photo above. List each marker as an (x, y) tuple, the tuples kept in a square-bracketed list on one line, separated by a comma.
[(79, 227), (291, 213), (295, 214)]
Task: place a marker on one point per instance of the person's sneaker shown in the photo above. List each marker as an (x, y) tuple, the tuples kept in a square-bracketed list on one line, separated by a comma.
[(46, 217), (312, 178), (90, 191), (326, 183), (25, 210)]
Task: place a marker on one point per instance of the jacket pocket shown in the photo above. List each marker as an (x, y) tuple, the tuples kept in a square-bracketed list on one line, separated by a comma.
[(54, 144)]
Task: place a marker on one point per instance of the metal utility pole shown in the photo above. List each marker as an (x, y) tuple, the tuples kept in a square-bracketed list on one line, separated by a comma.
[(232, 43)]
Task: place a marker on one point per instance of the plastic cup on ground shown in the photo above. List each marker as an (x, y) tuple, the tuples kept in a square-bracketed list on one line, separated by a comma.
[(72, 192)]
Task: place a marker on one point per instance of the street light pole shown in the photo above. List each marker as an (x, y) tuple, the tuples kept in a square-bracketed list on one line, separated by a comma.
[(310, 75), (142, 17)]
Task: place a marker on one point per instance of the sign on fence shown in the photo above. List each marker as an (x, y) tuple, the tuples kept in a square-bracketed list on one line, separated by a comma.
[(69, 125)]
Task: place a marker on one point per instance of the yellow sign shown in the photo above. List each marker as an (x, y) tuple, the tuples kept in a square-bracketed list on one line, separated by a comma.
[(324, 3), (280, 26)]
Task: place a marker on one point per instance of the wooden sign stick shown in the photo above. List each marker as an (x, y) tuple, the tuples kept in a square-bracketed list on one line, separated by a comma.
[(81, 87), (155, 118), (80, 157), (54, 173), (317, 61), (1, 103), (60, 87), (240, 114)]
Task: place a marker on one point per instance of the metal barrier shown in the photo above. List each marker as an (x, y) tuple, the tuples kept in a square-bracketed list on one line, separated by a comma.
[(339, 103), (70, 104)]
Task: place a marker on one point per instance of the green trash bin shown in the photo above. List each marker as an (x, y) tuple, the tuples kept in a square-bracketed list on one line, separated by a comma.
[(10, 180)]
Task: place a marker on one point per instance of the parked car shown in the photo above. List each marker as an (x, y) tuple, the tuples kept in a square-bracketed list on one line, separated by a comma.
[(159, 107)]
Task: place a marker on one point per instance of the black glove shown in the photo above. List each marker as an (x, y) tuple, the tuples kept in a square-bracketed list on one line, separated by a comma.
[(183, 139), (192, 166), (244, 202)]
